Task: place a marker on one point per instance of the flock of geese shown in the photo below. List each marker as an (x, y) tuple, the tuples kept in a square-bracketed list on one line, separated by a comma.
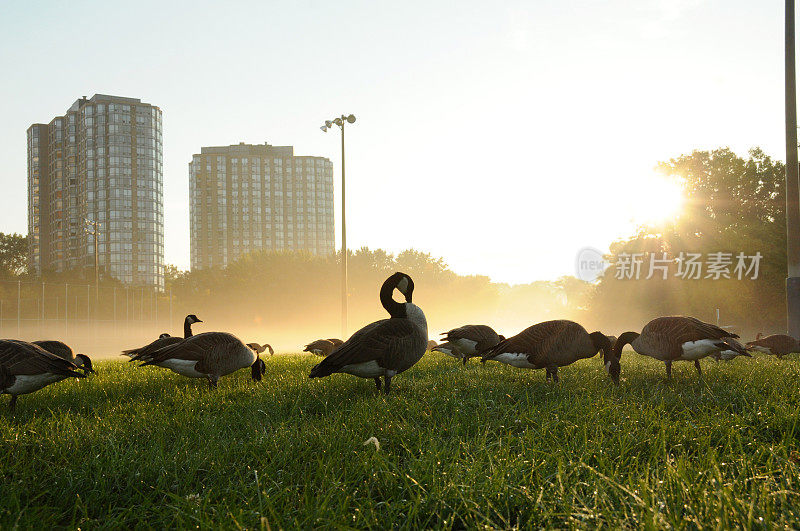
[(388, 347)]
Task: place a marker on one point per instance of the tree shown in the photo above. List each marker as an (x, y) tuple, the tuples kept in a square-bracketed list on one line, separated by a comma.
[(732, 204), (13, 254)]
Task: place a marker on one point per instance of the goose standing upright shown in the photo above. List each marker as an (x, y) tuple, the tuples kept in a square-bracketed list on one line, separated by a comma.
[(64, 351), (386, 347), (549, 345), (209, 355), (468, 341), (678, 338), (144, 353), (777, 345), (25, 368)]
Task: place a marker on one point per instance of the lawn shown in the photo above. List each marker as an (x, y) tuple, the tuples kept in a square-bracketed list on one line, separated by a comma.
[(459, 447)]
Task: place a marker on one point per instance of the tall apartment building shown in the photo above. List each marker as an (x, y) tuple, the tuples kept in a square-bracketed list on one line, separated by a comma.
[(101, 161), (249, 197)]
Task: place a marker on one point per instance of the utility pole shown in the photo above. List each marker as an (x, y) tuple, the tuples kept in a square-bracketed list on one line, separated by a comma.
[(93, 228), (792, 185)]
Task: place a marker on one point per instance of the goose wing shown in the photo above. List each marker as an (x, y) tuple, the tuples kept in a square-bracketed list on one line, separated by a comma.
[(143, 353), (59, 348), (23, 358), (386, 342), (535, 341), (207, 347)]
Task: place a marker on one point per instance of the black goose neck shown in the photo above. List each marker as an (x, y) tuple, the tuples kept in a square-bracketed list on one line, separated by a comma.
[(394, 308), (187, 328)]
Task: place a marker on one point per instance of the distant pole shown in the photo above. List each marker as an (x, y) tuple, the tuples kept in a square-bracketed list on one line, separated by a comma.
[(341, 121), (792, 185), (170, 306), (19, 306)]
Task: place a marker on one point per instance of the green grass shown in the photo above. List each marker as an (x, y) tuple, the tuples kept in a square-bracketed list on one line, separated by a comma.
[(459, 447)]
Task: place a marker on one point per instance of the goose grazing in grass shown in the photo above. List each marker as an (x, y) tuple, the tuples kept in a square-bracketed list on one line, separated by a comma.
[(336, 341), (144, 353), (209, 355), (678, 338), (549, 345), (62, 350), (25, 368), (468, 341), (386, 347), (776, 345), (320, 347), (261, 348)]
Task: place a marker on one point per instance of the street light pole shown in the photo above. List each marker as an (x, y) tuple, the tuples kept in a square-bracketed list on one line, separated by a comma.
[(93, 228), (792, 185), (341, 121)]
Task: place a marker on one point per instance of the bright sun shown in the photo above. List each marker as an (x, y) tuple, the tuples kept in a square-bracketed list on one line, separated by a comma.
[(659, 200)]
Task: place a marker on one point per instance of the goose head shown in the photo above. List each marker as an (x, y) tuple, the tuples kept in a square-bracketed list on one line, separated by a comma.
[(612, 360), (164, 336), (192, 319), (258, 349), (83, 361)]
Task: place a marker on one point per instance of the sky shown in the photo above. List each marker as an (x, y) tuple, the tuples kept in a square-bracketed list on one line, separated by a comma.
[(501, 136)]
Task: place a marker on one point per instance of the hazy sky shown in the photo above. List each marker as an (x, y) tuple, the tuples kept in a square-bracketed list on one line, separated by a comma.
[(502, 136)]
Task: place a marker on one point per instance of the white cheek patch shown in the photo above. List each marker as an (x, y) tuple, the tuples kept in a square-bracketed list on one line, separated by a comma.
[(402, 286)]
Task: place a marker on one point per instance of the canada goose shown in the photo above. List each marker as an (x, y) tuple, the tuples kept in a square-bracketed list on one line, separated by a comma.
[(336, 341), (677, 338), (143, 353), (320, 347), (25, 368), (549, 345), (62, 350), (386, 347), (209, 355), (468, 341), (261, 348), (777, 345)]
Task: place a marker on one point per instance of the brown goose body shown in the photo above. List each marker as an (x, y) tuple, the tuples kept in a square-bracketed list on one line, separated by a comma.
[(386, 347), (548, 345), (320, 347), (777, 345), (468, 341), (64, 351), (336, 341), (25, 368), (209, 355), (679, 338)]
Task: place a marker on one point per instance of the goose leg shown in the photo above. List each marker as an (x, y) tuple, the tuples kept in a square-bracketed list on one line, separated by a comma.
[(554, 372), (387, 383), (669, 369), (697, 366), (13, 404), (212, 382), (547, 375), (378, 383), (464, 360)]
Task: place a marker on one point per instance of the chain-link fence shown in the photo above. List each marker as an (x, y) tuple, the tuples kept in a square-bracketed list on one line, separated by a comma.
[(98, 317)]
